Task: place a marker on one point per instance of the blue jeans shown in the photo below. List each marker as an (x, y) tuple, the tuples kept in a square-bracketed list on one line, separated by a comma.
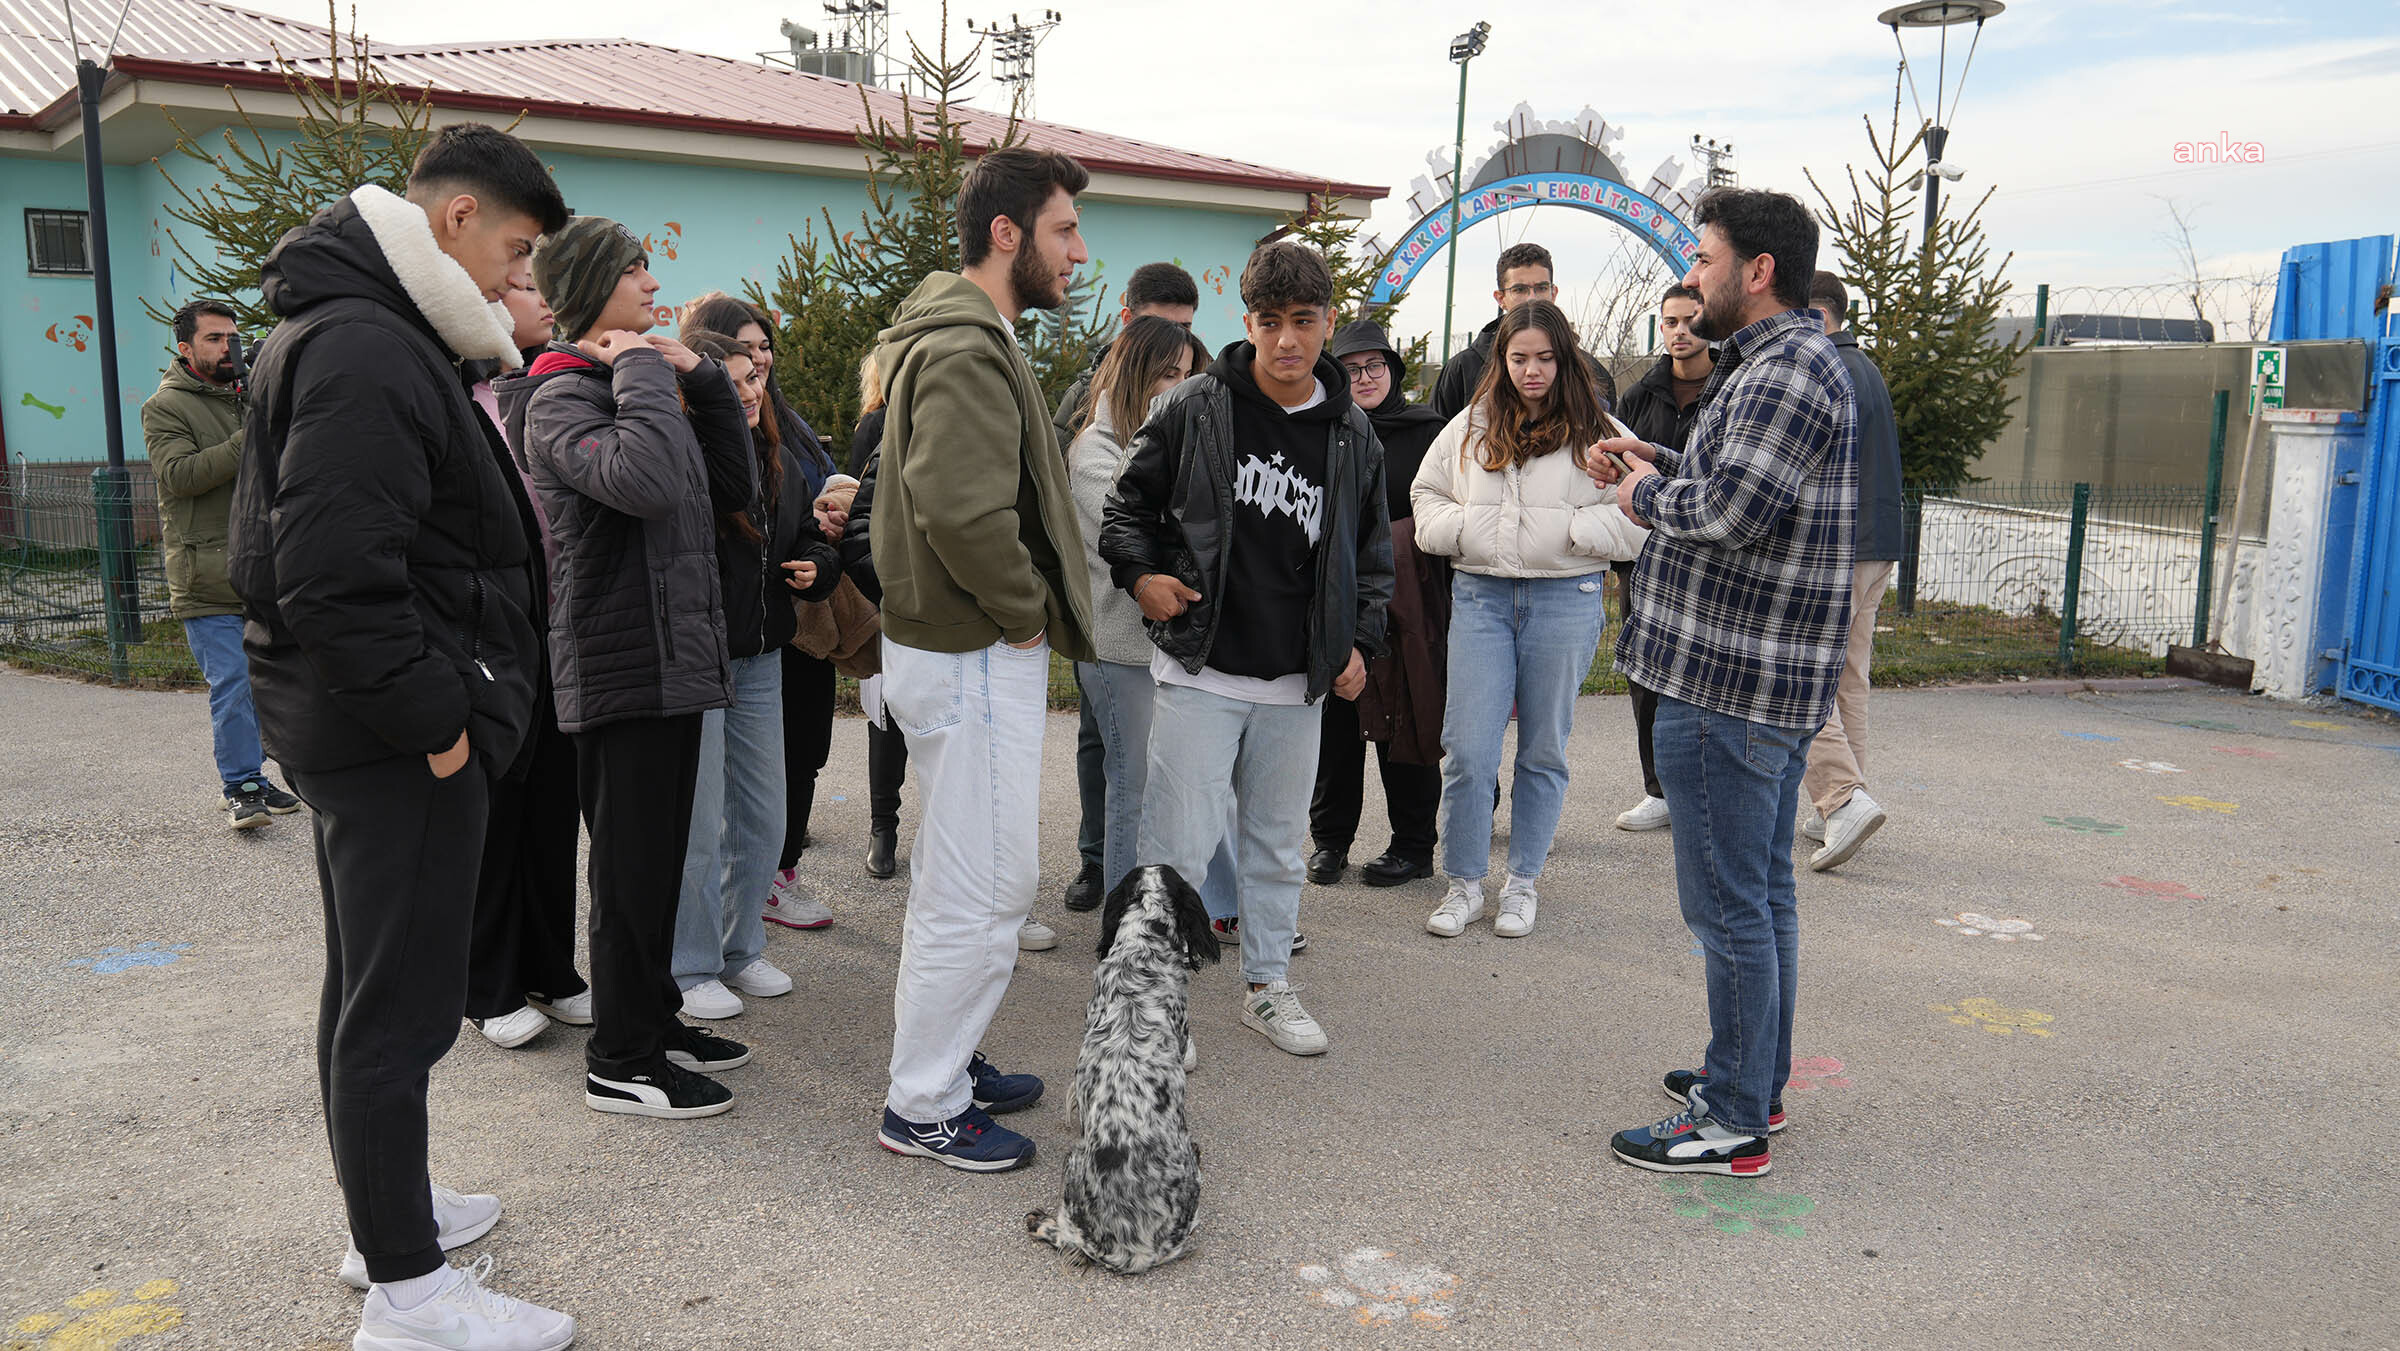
[(1212, 757), (737, 828), (216, 643), (1117, 700), (1525, 642), (1733, 787)]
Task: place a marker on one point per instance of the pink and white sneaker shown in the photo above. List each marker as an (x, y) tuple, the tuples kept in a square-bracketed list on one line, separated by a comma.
[(790, 904)]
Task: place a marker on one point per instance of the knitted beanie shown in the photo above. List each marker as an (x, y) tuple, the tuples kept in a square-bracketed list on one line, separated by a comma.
[(576, 269)]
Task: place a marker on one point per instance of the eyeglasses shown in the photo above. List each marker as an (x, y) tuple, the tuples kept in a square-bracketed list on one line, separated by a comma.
[(1366, 370), (1522, 291)]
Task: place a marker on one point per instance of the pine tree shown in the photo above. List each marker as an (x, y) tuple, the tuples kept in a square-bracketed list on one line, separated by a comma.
[(354, 128), (1924, 312), (1354, 274)]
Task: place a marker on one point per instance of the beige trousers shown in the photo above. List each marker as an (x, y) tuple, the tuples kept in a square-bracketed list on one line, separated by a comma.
[(1837, 759)]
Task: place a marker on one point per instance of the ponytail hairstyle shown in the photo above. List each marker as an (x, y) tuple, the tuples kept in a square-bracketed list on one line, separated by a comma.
[(870, 384), (1513, 432), (1148, 348), (718, 347)]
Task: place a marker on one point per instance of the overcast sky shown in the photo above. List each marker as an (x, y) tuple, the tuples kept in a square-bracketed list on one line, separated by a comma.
[(2073, 109)]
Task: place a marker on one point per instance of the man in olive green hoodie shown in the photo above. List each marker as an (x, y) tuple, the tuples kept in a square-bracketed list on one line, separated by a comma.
[(975, 541), (192, 428)]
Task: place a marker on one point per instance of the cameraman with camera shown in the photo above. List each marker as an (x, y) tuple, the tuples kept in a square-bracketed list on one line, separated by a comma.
[(192, 428)]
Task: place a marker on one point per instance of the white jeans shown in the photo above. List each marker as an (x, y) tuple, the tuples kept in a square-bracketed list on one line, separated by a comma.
[(974, 723)]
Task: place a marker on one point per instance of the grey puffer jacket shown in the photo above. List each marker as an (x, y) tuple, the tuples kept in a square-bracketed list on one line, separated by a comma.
[(633, 486)]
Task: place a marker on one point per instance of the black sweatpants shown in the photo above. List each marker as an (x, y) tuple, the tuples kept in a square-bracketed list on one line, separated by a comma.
[(524, 938), (636, 779), (887, 769), (397, 853), (1645, 700), (807, 740), (1412, 793)]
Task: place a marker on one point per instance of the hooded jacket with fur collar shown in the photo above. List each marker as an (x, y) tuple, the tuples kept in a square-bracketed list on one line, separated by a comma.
[(380, 539)]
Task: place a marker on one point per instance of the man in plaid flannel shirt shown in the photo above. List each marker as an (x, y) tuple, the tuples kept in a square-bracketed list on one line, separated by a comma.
[(1741, 613)]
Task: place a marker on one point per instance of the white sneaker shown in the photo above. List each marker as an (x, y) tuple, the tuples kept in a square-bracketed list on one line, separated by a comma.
[(458, 1220), (463, 1317), (791, 904), (1517, 905), (575, 1010), (514, 1029), (1036, 936), (1462, 907), (1845, 830), (710, 999), (1276, 1012), (1648, 814), (761, 978), (1812, 827)]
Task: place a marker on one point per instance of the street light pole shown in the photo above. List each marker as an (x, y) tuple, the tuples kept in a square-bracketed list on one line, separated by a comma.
[(1463, 49), (1941, 15), (112, 488)]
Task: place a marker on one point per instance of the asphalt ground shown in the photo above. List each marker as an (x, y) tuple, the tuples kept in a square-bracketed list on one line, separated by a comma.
[(2158, 1114)]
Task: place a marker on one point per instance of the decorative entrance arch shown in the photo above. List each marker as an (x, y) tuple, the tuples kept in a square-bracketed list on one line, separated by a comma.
[(1654, 224)]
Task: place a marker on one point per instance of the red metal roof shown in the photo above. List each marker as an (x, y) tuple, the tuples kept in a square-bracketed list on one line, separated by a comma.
[(607, 80)]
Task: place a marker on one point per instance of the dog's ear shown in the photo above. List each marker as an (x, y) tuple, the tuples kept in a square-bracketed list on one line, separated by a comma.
[(1112, 911), (1192, 929)]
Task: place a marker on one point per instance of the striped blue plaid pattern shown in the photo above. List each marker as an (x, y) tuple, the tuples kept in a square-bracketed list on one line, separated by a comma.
[(1741, 600)]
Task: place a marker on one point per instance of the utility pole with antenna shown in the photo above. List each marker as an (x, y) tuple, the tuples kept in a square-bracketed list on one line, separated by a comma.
[(1013, 49), (1719, 159)]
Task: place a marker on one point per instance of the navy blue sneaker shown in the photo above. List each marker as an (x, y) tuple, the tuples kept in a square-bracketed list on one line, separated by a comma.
[(1679, 1087), (999, 1093), (1681, 1144), (970, 1141)]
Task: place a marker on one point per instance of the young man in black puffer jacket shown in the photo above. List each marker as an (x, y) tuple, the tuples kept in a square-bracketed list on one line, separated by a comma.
[(633, 484), (384, 553)]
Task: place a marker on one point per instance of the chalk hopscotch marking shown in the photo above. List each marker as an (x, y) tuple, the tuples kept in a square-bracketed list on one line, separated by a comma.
[(2141, 766), (2084, 825), (2203, 804), (1379, 1289), (2089, 736), (98, 1319), (1998, 1019), (110, 961), (2142, 886), (1738, 1205), (2249, 752), (1973, 925)]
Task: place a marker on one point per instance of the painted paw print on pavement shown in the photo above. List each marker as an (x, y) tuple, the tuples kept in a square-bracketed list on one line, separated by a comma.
[(98, 1319), (1378, 1288), (2084, 825), (113, 960), (2202, 804), (1812, 1072), (2142, 886), (1992, 1017), (2089, 736), (2140, 766), (1738, 1205), (2317, 724), (1972, 925)]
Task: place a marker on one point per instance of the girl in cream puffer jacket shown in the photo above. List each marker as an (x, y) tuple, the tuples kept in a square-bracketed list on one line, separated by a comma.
[(1503, 492)]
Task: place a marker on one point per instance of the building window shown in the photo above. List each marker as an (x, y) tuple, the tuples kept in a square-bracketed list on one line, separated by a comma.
[(58, 243)]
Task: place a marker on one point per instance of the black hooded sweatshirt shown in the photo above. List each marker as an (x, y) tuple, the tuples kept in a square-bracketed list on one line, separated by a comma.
[(1278, 518), (1407, 431)]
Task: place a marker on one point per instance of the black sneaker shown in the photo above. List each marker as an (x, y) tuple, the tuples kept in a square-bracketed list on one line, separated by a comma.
[(698, 1050), (1679, 1087), (245, 807), (1684, 1144), (1002, 1093), (278, 801), (1084, 892), (1390, 870), (1326, 866), (1229, 930), (971, 1141), (672, 1092)]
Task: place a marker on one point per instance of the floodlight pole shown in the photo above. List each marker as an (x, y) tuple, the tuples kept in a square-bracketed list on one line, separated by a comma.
[(1463, 49)]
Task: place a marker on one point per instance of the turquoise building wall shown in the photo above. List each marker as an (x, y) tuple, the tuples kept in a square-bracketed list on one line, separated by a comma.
[(709, 227)]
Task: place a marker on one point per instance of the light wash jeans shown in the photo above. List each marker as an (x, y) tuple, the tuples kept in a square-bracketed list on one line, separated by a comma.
[(1117, 700), (216, 643), (737, 828), (974, 723), (1522, 642), (1210, 758), (1734, 787)]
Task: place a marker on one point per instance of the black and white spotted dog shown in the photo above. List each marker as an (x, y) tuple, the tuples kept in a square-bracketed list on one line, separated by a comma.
[(1133, 1179)]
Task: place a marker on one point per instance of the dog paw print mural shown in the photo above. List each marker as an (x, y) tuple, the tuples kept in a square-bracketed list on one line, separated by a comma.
[(2141, 766), (1377, 1288), (1972, 925), (110, 961), (75, 333), (1997, 1019), (1738, 1205), (2143, 886), (98, 1320), (664, 242), (2084, 825), (2197, 803), (1812, 1072)]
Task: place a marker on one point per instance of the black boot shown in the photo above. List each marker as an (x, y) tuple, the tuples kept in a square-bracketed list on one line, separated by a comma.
[(1084, 892), (1326, 866), (1390, 870), (883, 848)]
